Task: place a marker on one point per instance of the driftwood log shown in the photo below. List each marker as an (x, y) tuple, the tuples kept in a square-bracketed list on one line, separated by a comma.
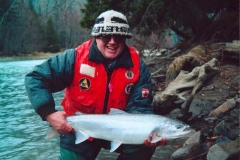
[(225, 107), (186, 83), (197, 56), (201, 54), (227, 51)]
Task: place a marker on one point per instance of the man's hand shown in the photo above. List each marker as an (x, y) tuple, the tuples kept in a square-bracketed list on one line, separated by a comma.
[(148, 142), (59, 123)]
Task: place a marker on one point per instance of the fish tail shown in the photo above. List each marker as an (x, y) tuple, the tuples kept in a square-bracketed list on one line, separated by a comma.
[(51, 132)]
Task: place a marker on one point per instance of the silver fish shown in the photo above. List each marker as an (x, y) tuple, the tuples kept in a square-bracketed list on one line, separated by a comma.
[(120, 127)]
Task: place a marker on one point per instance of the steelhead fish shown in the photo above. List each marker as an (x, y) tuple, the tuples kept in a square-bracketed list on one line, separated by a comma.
[(120, 127)]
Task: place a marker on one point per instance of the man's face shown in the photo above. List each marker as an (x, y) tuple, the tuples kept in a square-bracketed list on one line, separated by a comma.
[(110, 45)]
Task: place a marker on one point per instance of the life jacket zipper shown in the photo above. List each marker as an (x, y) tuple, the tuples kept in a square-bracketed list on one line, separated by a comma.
[(108, 89)]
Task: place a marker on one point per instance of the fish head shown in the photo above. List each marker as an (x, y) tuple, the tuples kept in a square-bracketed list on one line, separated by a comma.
[(175, 129)]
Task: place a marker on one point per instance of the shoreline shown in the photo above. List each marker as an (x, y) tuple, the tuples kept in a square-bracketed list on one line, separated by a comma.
[(34, 56), (10, 59)]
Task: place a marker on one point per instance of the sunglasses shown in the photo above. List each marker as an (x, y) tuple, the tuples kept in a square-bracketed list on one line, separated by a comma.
[(117, 38)]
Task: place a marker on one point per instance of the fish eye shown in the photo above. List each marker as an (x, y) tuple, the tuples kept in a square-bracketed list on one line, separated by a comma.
[(178, 126)]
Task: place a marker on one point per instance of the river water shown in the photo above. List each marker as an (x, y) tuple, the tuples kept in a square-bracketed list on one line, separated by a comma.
[(22, 131)]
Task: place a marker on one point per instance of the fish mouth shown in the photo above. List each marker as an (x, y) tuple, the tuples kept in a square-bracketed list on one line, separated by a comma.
[(188, 131)]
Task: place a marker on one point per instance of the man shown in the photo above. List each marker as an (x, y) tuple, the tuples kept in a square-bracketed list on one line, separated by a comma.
[(100, 74)]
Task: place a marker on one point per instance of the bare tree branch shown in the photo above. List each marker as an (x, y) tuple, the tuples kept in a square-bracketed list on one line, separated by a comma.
[(6, 13)]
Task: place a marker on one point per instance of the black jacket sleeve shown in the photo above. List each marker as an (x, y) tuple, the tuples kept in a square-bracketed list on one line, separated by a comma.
[(137, 103), (51, 76)]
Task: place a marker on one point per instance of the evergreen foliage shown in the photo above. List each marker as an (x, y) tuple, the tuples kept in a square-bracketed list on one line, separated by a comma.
[(21, 29), (195, 21), (52, 38)]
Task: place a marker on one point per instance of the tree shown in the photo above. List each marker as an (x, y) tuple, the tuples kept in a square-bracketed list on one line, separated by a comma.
[(20, 33), (52, 38), (25, 25), (66, 15), (194, 21)]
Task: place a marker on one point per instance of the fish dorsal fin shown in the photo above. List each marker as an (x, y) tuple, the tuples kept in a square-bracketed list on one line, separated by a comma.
[(78, 114), (116, 111), (114, 146), (80, 136)]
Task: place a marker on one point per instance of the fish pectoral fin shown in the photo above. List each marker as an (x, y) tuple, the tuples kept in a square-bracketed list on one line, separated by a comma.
[(114, 146), (80, 136), (156, 138), (51, 132)]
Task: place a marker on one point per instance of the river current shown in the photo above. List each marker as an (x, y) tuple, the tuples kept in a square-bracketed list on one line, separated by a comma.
[(22, 131)]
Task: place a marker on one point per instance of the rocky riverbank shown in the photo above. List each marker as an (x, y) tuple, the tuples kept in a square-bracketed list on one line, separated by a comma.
[(215, 115)]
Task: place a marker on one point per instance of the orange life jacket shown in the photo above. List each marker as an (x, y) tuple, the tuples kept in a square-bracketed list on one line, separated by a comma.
[(90, 85)]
